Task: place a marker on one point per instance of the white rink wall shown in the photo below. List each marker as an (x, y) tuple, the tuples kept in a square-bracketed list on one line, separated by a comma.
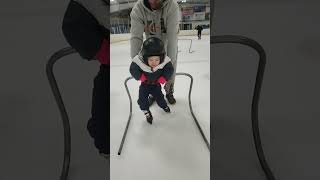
[(125, 37)]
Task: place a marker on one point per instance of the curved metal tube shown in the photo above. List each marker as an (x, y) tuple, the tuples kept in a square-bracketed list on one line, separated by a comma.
[(191, 110), (130, 114), (64, 115), (256, 95), (190, 106)]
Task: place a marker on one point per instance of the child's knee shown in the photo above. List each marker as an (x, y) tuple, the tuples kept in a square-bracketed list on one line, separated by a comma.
[(143, 103)]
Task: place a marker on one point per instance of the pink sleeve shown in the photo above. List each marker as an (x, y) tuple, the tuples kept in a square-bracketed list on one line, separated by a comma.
[(143, 77), (103, 55), (162, 80)]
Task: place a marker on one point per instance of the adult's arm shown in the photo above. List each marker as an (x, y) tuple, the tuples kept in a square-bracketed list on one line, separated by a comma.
[(136, 30)]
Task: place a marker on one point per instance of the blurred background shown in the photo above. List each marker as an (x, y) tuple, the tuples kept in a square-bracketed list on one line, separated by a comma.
[(31, 133), (193, 13), (289, 104)]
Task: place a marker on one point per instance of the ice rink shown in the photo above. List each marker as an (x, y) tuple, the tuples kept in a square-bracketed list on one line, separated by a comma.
[(172, 147)]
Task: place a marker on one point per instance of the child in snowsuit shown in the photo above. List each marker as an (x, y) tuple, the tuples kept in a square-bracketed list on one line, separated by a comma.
[(86, 28), (153, 68), (157, 18)]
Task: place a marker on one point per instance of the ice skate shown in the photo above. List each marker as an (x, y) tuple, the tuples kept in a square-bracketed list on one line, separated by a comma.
[(167, 109), (149, 117)]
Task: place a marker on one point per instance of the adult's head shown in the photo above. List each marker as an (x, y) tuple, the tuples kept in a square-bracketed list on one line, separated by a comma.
[(155, 4)]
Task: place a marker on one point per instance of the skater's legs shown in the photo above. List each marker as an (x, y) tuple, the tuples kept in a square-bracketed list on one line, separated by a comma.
[(99, 123), (169, 86), (144, 91), (143, 97), (157, 94)]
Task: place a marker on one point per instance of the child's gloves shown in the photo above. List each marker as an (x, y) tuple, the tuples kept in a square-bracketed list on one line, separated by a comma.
[(162, 80), (143, 78), (103, 55)]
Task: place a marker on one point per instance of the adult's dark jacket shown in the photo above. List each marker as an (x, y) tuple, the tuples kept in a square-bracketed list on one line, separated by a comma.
[(199, 28), (85, 26)]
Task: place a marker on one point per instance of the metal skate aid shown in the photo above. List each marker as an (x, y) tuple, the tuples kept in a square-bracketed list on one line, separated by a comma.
[(255, 101), (190, 45), (64, 115), (190, 106)]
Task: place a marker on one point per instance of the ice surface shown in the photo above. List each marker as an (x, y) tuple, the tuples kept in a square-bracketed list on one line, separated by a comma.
[(172, 147)]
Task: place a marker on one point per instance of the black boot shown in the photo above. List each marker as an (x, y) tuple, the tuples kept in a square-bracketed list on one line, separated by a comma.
[(151, 100), (148, 116), (107, 156), (170, 98), (167, 109)]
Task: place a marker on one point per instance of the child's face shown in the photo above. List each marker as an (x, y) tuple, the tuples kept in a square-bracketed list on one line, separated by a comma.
[(153, 61)]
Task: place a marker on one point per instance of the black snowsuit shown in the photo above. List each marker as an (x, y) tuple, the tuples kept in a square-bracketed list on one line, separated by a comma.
[(151, 85), (85, 26)]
